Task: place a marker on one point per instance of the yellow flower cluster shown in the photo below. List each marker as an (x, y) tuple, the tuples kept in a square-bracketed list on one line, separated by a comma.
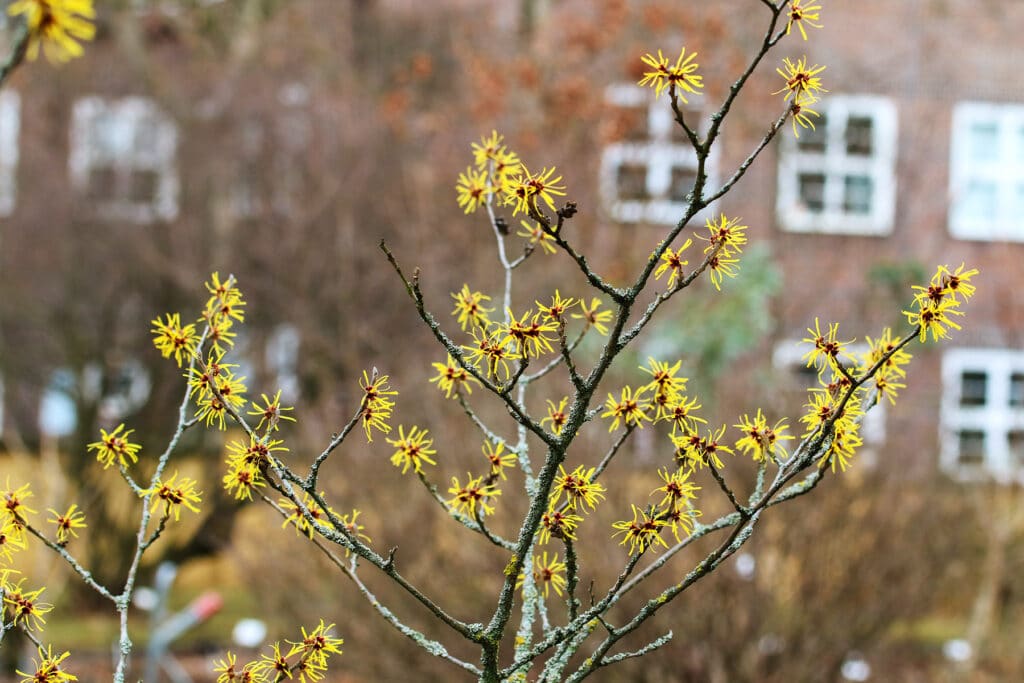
[(174, 495), (476, 492), (939, 302), (304, 660), (376, 406), (496, 344), (247, 461), (499, 172), (803, 84), (675, 510)]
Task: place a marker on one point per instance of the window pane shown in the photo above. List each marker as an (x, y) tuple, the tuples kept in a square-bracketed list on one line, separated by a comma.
[(112, 135), (812, 140), (812, 191), (981, 140), (1017, 389), (631, 181), (806, 377), (682, 184), (143, 186), (857, 194), (972, 388), (979, 200), (1016, 443), (972, 448), (858, 135)]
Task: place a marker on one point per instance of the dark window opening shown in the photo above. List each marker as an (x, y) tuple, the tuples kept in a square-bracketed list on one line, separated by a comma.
[(972, 448), (858, 136), (812, 140), (973, 386), (1017, 389), (857, 194), (631, 182), (143, 186), (812, 191), (682, 184)]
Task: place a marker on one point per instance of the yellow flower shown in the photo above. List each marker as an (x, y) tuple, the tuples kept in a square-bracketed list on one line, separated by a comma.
[(170, 337), (878, 348), (630, 408), (297, 516), (470, 309), (558, 306), (800, 79), (492, 348), (452, 377), (957, 282), (547, 573), (317, 645), (413, 450), (524, 189), (693, 450), (472, 189), (376, 406), (935, 318), (225, 303), (497, 459), (594, 318), (758, 438), (557, 524), (48, 668), (271, 412), (827, 347), (174, 495), (115, 446), (680, 413), (579, 488), (67, 523), (556, 415), (537, 235), (475, 492), (678, 78), (641, 532), (12, 538), (726, 232), (25, 607), (57, 25), (672, 262), (13, 501), (354, 529), (529, 338), (802, 112), (678, 488), (800, 14)]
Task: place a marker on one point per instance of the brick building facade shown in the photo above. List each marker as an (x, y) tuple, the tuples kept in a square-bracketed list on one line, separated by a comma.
[(918, 159)]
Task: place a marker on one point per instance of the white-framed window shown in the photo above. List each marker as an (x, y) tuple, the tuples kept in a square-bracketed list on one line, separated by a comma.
[(840, 177), (788, 356), (986, 172), (123, 158), (982, 426), (10, 121), (648, 175)]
